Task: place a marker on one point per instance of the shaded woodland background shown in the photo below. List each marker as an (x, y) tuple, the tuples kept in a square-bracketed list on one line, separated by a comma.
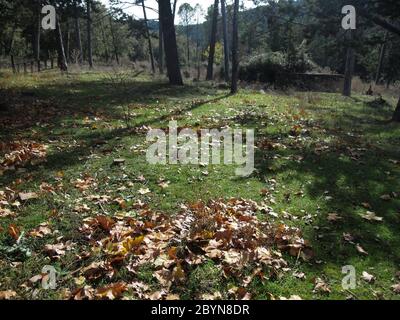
[(273, 38)]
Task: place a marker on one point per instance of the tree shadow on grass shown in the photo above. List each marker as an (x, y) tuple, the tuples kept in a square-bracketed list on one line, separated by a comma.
[(88, 142), (55, 102), (353, 172)]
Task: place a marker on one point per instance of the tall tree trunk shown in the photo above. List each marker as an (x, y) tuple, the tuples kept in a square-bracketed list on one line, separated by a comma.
[(198, 58), (349, 69), (235, 48), (226, 44), (188, 46), (14, 69), (170, 45), (89, 32), (67, 42), (213, 40), (174, 10), (37, 30), (396, 115), (160, 46), (103, 35), (62, 59), (9, 50), (381, 58), (153, 68), (114, 41), (78, 33)]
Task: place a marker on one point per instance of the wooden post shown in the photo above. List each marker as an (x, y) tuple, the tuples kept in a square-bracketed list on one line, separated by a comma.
[(52, 63), (25, 69), (38, 65)]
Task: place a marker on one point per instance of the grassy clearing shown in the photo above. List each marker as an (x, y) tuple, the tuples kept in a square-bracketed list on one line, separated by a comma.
[(318, 154)]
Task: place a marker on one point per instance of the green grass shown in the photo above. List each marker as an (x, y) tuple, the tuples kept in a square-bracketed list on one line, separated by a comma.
[(340, 160)]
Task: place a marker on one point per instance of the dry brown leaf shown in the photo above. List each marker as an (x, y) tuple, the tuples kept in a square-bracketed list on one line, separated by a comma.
[(371, 216), (361, 250), (111, 292), (396, 288), (367, 277), (144, 191), (14, 231), (7, 295), (386, 197), (321, 286), (292, 297), (334, 217), (28, 196)]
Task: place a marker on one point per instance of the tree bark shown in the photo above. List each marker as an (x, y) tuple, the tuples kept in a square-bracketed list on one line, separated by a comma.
[(153, 68), (67, 42), (198, 57), (62, 59), (160, 46), (174, 9), (349, 68), (116, 54), (78, 34), (37, 30), (188, 46), (13, 64), (381, 58), (396, 115), (226, 44), (170, 45), (235, 49), (106, 53), (213, 40), (89, 33)]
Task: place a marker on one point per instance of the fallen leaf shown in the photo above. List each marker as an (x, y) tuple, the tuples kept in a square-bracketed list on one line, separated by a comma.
[(292, 297), (348, 237), (28, 196), (299, 275), (366, 205), (321, 286), (371, 216), (361, 250), (144, 191), (396, 288), (386, 197), (334, 217), (367, 277), (13, 231), (111, 292), (7, 295)]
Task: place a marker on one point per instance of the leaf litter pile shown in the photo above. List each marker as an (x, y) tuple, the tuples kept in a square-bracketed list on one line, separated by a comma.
[(228, 233), (241, 246), (17, 154)]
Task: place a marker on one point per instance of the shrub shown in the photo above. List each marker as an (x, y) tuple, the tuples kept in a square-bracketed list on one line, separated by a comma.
[(265, 67)]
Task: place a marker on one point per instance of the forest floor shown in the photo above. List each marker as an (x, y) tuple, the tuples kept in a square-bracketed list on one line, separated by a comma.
[(77, 194)]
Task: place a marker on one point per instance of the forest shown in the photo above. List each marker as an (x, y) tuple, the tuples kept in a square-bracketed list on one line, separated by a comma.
[(200, 150)]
